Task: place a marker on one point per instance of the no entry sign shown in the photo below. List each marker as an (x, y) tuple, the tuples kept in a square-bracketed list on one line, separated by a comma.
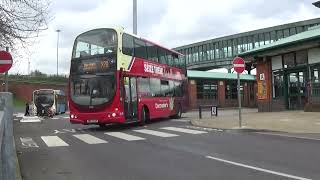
[(5, 61), (238, 64)]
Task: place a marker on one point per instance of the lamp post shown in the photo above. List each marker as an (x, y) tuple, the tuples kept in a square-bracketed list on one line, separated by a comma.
[(58, 31), (135, 17)]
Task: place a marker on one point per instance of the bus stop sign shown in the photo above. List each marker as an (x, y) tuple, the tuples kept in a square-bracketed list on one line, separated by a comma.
[(238, 64), (5, 61)]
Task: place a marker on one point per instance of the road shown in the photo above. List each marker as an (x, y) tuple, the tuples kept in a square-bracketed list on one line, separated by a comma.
[(165, 149)]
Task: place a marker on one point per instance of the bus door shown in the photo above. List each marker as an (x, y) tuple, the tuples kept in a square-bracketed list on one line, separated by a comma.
[(130, 98)]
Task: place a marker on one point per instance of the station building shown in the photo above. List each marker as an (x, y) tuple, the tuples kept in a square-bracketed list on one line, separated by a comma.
[(286, 58), (288, 72), (214, 88)]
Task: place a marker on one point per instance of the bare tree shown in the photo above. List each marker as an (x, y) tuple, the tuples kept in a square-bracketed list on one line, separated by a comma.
[(21, 20)]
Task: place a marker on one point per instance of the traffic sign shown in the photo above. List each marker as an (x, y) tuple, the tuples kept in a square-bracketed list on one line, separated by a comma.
[(5, 61), (238, 64)]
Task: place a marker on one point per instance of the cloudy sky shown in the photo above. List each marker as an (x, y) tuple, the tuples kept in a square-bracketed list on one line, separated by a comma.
[(171, 23)]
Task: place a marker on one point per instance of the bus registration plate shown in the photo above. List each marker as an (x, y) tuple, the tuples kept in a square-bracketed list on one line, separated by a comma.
[(92, 121)]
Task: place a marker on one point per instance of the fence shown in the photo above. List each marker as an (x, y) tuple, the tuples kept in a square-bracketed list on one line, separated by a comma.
[(7, 150)]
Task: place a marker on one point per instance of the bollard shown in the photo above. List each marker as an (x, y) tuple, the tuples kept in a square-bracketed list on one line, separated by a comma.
[(200, 115)]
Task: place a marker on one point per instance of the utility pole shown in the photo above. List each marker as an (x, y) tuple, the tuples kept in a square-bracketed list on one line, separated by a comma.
[(29, 67), (6, 76), (58, 31), (135, 31)]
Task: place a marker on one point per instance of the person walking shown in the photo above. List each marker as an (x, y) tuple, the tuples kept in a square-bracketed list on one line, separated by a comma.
[(27, 110)]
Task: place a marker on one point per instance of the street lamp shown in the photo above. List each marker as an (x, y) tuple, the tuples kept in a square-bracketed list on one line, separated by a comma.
[(135, 17), (58, 31)]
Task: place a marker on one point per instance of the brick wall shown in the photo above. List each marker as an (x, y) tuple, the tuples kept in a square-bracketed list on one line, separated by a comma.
[(221, 93), (192, 90), (264, 67), (24, 91)]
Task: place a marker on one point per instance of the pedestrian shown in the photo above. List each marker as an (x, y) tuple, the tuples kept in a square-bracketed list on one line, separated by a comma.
[(27, 110)]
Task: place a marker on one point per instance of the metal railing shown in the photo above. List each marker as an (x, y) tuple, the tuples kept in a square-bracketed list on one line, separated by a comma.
[(7, 149)]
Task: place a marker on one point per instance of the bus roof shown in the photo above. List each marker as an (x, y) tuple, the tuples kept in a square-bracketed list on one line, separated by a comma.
[(122, 30), (171, 50)]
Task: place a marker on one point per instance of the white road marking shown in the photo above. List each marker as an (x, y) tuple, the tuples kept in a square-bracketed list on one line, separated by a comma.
[(19, 115), (317, 123), (183, 130), (28, 142), (203, 128), (16, 119), (155, 133), (67, 117), (124, 136), (87, 138), (57, 132), (285, 120), (30, 119), (289, 136), (70, 130), (53, 141), (180, 120), (55, 118), (257, 168)]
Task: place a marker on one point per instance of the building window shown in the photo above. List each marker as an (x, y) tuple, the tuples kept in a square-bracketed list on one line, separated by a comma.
[(231, 90), (315, 83), (288, 60), (301, 57), (277, 85), (207, 90)]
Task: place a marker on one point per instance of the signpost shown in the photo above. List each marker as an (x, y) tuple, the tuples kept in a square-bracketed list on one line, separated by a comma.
[(239, 67), (5, 65)]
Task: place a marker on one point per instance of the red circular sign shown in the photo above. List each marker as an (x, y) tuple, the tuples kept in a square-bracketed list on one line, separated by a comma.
[(5, 61), (238, 64)]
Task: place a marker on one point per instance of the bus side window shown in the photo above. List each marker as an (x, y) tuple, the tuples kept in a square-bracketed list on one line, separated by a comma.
[(140, 49), (152, 52), (144, 87), (127, 44), (155, 87), (162, 56)]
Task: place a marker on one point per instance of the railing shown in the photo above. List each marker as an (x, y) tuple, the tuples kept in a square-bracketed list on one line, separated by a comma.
[(7, 149)]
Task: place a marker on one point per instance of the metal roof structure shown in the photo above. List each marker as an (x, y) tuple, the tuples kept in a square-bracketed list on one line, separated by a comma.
[(307, 36), (193, 74), (219, 52)]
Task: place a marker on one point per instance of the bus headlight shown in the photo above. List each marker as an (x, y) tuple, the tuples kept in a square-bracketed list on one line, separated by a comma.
[(113, 114), (72, 116)]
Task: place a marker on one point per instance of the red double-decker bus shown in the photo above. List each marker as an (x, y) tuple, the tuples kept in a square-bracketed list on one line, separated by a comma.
[(116, 77)]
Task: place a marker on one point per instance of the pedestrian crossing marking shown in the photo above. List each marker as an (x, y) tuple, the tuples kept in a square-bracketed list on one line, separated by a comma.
[(124, 136), (53, 141), (155, 133), (183, 130), (87, 138), (28, 142)]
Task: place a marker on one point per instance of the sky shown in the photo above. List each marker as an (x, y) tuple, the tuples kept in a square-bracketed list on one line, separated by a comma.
[(170, 23)]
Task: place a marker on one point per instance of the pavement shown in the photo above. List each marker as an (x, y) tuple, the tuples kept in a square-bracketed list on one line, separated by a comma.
[(165, 149), (297, 122)]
